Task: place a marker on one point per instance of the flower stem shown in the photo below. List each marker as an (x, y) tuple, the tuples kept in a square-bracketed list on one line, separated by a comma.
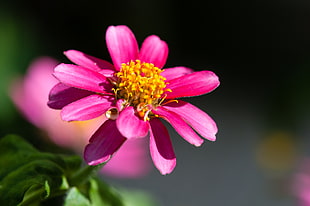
[(82, 175)]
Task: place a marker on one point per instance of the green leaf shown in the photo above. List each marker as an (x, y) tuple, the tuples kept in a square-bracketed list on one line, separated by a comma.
[(35, 193), (47, 189), (75, 198), (64, 185), (28, 176), (101, 194)]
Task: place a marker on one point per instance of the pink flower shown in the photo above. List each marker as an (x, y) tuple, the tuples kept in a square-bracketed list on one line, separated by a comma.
[(133, 93), (301, 183), (30, 95)]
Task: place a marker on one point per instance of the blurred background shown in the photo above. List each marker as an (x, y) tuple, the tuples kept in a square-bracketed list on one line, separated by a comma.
[(259, 50)]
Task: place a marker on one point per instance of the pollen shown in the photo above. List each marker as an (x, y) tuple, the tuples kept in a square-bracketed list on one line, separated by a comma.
[(141, 85)]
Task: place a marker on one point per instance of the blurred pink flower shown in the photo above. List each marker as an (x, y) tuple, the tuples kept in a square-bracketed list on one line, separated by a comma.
[(301, 184), (30, 95), (133, 93)]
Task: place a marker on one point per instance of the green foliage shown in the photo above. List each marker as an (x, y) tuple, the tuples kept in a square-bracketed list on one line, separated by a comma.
[(101, 194), (30, 177), (76, 198)]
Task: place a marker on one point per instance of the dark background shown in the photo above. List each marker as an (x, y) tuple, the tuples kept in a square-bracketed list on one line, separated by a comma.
[(259, 50)]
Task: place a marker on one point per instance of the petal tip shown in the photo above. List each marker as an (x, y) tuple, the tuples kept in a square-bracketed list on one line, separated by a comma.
[(65, 117), (167, 170), (198, 143), (96, 162), (68, 52), (212, 139), (91, 160)]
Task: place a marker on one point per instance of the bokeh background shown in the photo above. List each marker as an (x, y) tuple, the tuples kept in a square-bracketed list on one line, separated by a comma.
[(260, 51)]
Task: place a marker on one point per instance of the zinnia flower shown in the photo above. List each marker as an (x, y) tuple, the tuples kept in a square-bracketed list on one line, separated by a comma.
[(133, 93), (30, 95)]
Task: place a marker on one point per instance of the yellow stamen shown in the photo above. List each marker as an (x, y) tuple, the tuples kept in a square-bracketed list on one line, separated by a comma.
[(142, 86)]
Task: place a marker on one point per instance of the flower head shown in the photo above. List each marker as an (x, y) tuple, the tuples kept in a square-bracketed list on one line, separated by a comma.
[(30, 95), (133, 93)]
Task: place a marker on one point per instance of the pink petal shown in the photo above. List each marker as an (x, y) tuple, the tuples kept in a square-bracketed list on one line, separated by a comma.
[(179, 125), (130, 125), (197, 118), (87, 108), (161, 147), (193, 84), (32, 91), (62, 95), (82, 78), (103, 143), (130, 161), (90, 62), (154, 50), (175, 72), (122, 45)]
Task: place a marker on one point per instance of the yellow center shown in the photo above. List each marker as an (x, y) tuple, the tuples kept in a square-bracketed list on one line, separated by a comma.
[(141, 86)]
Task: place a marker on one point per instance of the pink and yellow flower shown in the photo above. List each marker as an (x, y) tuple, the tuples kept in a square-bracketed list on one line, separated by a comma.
[(30, 95), (133, 93)]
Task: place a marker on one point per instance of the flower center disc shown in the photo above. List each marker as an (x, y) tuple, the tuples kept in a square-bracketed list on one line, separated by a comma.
[(140, 85)]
